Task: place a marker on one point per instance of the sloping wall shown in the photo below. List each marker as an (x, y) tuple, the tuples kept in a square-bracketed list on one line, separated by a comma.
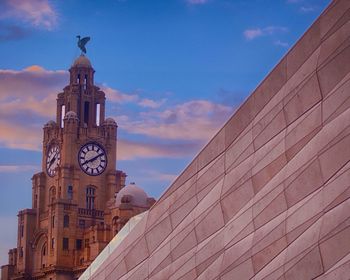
[(268, 197)]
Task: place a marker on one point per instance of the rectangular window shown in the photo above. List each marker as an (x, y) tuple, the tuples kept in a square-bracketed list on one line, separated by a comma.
[(53, 221), (52, 243), (63, 113), (21, 252), (65, 221), (85, 82), (86, 112), (92, 203), (65, 243), (22, 230), (78, 244), (70, 192), (98, 111)]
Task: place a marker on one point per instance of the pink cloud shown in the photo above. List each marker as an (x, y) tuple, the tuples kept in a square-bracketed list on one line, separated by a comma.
[(18, 168), (130, 150), (20, 136), (39, 13), (30, 92), (117, 96), (114, 95), (35, 68), (31, 80), (193, 120), (149, 103), (28, 101)]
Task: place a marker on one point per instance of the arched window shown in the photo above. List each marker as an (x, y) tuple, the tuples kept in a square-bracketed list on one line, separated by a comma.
[(43, 255), (66, 221), (90, 197), (70, 192)]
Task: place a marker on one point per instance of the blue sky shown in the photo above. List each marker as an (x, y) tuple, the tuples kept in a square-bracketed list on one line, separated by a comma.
[(173, 71)]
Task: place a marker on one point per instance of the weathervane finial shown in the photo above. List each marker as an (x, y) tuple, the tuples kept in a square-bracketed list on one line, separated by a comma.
[(82, 42)]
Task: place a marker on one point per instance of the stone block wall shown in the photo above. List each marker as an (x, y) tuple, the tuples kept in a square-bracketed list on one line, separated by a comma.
[(269, 196)]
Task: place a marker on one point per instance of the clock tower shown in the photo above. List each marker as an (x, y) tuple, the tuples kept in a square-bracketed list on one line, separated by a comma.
[(74, 213)]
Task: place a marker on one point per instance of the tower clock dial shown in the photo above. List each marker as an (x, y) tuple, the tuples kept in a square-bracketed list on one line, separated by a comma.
[(92, 159), (53, 159)]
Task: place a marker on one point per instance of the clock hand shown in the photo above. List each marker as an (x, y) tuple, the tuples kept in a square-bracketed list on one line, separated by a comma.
[(92, 159), (52, 160)]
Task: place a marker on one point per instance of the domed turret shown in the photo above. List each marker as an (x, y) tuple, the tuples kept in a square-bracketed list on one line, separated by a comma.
[(110, 121), (50, 123), (82, 61), (133, 195)]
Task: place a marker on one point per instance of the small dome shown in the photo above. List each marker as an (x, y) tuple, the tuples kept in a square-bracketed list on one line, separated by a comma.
[(110, 121), (133, 195), (70, 115), (82, 61), (50, 123)]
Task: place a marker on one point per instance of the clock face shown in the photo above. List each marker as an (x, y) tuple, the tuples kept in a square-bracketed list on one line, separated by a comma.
[(53, 159), (92, 159)]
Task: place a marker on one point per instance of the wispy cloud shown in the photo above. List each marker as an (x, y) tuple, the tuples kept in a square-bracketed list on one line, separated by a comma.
[(305, 6), (31, 91), (130, 150), (192, 120), (117, 96), (281, 43), (251, 34), (155, 175), (22, 135), (18, 168), (307, 9), (149, 103), (38, 13), (28, 101)]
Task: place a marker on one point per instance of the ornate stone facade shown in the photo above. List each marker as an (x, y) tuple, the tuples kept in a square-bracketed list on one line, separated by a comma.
[(74, 212)]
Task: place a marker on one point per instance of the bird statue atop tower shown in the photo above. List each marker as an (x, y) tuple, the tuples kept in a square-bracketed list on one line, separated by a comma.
[(82, 42)]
